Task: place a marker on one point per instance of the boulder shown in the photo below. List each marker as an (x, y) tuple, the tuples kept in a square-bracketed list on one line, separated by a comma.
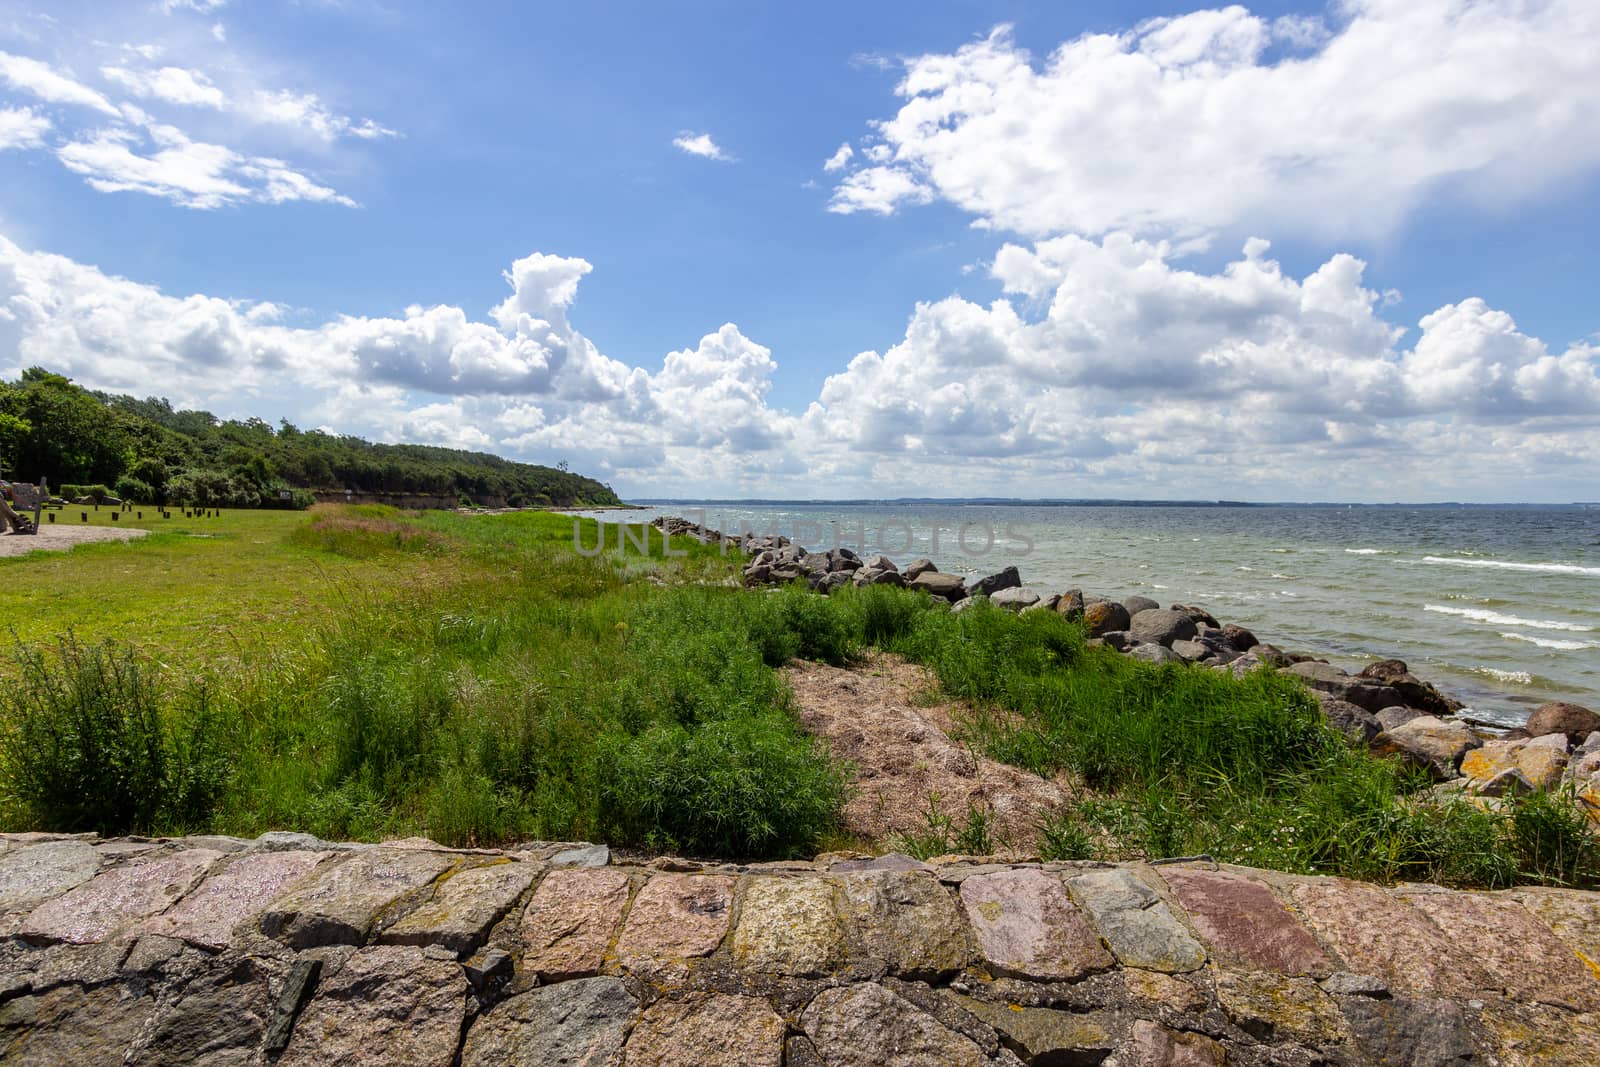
[(1071, 604), (1241, 639), (994, 583), (1431, 743), (1193, 651), (1197, 614), (1160, 627), (945, 586), (1117, 639), (1154, 653), (1014, 599), (833, 580), (1330, 679), (1540, 761), (916, 567), (880, 563), (1398, 715), (894, 578), (1560, 717), (1104, 616), (1413, 691), (1358, 724), (1136, 604), (1271, 655)]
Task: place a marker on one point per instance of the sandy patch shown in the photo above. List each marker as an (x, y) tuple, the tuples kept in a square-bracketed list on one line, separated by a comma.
[(56, 538), (879, 715)]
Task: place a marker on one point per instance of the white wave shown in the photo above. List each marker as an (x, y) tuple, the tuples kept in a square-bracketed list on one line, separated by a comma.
[(1496, 619), (1365, 551), (1500, 564), (1242, 567), (1544, 642), (1514, 677), (1287, 577)]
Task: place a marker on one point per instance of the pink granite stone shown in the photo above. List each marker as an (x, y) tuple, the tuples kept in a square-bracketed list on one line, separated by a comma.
[(676, 917), (232, 896), (1379, 935), (571, 919), (1520, 954), (114, 901), (1027, 926), (1244, 925)]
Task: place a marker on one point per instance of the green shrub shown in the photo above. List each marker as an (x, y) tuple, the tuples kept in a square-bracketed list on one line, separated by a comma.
[(747, 787), (91, 741), (134, 491)]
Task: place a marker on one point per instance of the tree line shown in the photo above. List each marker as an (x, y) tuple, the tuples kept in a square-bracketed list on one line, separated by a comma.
[(150, 452)]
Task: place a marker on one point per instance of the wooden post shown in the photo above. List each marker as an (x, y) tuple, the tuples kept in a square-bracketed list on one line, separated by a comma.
[(83, 516), (115, 515), (52, 516), (140, 515)]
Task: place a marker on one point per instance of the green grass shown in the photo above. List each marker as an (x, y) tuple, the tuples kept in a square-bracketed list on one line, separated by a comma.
[(356, 672)]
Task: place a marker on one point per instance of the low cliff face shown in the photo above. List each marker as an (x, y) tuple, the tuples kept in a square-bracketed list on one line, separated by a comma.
[(292, 950)]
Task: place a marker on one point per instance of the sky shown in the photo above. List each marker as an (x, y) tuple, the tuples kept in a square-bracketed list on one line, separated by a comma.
[(1275, 252)]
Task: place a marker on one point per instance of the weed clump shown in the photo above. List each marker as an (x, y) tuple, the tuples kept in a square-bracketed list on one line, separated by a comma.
[(90, 740)]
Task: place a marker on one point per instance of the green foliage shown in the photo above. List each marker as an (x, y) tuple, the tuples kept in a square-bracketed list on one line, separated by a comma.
[(942, 835), (96, 493), (132, 489), (91, 741), (53, 429)]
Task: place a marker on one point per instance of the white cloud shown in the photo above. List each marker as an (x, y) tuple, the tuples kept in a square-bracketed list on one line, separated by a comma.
[(1188, 125), (203, 7), (1105, 369), (879, 190), (22, 127), (701, 144), (189, 173), (44, 82), (175, 85), (838, 160), (306, 112)]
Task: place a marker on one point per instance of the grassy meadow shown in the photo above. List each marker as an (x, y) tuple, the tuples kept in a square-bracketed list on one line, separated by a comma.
[(357, 672)]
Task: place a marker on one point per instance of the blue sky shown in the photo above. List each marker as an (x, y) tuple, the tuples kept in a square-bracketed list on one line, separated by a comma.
[(1275, 252)]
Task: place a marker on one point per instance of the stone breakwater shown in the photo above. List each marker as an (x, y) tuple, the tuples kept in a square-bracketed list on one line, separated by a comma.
[(287, 949), (1385, 706)]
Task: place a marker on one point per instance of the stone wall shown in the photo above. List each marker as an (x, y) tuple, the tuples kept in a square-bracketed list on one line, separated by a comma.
[(287, 949)]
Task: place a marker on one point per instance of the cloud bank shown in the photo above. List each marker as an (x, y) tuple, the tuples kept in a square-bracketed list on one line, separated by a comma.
[(1104, 369), (1222, 119)]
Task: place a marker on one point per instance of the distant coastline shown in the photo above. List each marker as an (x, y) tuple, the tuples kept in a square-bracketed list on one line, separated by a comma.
[(1088, 502)]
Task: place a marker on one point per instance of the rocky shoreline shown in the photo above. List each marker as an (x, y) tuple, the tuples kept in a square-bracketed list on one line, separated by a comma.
[(1384, 706)]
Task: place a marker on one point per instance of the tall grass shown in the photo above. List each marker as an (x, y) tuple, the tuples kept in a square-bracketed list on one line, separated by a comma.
[(528, 690), (92, 741)]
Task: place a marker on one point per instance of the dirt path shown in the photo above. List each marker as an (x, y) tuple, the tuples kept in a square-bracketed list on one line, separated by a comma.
[(53, 538), (879, 716)]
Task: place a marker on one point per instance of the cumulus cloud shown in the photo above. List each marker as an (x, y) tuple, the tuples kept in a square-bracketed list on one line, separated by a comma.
[(1103, 368), (1219, 118), (700, 144), (839, 158)]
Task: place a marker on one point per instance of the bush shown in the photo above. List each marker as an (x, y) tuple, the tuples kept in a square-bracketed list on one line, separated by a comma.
[(90, 741), (748, 787), (96, 493), (135, 491)]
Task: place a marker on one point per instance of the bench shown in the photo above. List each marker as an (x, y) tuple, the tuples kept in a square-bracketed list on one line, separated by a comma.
[(29, 498)]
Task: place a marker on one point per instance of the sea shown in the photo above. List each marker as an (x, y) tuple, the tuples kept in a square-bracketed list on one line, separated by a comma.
[(1499, 606)]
